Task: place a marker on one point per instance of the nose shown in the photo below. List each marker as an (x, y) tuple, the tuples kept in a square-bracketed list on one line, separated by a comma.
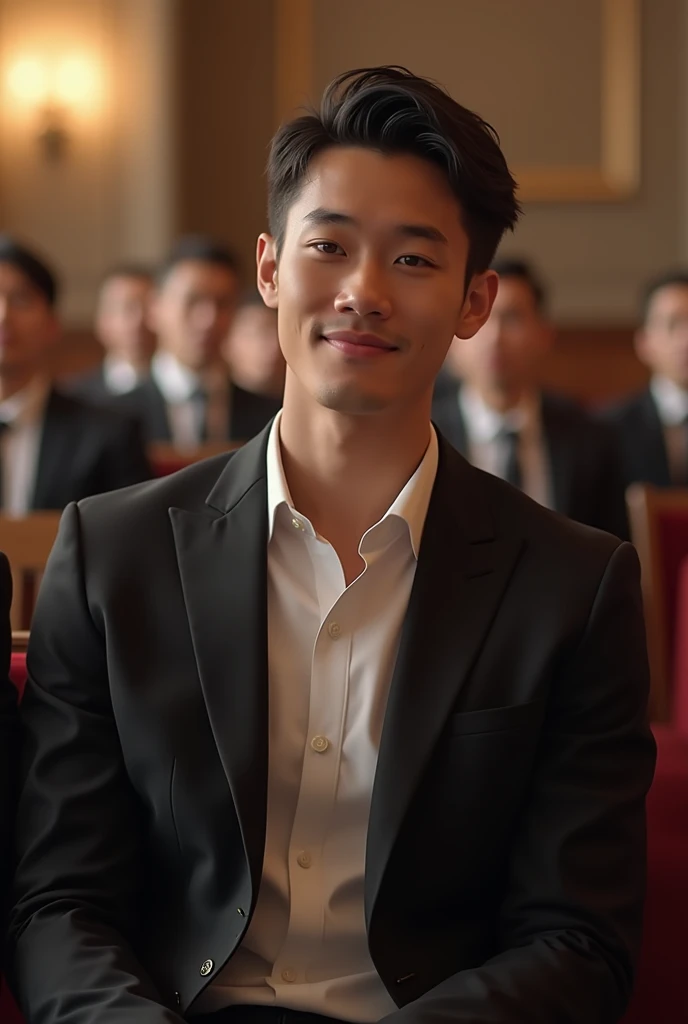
[(365, 292)]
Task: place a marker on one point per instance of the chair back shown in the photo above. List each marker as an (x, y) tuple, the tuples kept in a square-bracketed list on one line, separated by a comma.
[(27, 542), (166, 458)]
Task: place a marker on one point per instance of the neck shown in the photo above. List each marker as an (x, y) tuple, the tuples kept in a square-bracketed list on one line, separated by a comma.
[(12, 383), (344, 471)]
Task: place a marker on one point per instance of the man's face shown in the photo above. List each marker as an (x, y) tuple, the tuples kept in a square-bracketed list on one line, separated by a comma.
[(28, 326), (370, 281), (662, 343), (253, 348), (121, 318), (192, 312), (505, 354)]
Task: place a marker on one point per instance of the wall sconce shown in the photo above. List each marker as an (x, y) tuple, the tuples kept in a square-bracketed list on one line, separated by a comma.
[(58, 93)]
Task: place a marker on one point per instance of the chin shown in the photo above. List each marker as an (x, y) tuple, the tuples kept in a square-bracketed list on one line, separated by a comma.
[(349, 400)]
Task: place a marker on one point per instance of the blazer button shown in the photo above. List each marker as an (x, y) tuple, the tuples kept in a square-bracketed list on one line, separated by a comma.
[(206, 968)]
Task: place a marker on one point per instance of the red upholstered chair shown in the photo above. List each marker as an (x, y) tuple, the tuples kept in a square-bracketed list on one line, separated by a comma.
[(661, 993), (9, 1013), (166, 459), (659, 527)]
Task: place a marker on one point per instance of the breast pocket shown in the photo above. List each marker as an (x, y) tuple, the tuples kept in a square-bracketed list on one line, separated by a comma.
[(516, 717)]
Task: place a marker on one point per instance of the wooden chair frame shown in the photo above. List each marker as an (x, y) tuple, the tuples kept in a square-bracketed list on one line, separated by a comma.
[(27, 542)]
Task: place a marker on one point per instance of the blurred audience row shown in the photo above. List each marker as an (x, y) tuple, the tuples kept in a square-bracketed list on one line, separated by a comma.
[(188, 360)]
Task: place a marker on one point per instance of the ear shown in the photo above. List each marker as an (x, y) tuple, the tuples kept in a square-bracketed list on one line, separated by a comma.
[(480, 295), (266, 269)]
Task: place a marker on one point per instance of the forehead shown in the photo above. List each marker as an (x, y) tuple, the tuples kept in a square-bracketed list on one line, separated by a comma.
[(199, 275), (125, 284), (514, 293), (672, 300), (380, 190)]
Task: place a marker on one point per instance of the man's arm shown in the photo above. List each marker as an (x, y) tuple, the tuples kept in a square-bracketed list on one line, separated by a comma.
[(9, 735), (570, 926), (80, 870)]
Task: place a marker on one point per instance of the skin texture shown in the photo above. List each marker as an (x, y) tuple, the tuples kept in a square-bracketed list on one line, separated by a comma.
[(662, 342), (502, 360), (28, 330), (375, 245), (121, 319), (192, 311)]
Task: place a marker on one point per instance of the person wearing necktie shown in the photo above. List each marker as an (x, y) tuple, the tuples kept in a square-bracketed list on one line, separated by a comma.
[(498, 415), (652, 426)]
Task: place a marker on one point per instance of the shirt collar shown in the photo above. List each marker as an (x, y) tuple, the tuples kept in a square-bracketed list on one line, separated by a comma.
[(670, 399), (26, 406), (180, 384), (484, 424), (410, 506), (119, 375)]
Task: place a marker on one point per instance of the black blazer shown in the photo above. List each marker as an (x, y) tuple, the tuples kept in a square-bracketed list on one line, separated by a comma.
[(91, 387), (249, 412), (85, 450), (506, 845), (9, 736), (641, 440), (584, 461)]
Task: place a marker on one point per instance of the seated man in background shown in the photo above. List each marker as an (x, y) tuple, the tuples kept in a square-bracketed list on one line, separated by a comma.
[(122, 328), (53, 448), (8, 741), (189, 398), (253, 351), (653, 425), (498, 416)]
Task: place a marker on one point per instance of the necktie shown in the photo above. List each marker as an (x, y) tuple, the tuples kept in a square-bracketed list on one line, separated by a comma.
[(512, 462)]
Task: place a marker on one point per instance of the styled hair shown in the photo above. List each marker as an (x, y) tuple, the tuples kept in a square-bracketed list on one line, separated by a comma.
[(197, 249), (669, 279), (390, 110), (42, 276), (522, 270)]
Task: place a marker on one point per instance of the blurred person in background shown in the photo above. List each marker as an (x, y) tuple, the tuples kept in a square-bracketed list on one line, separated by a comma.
[(498, 416), (122, 328), (9, 744), (189, 397), (54, 448), (253, 351), (652, 426)]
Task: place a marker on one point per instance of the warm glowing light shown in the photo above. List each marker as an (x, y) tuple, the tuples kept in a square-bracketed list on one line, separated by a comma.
[(27, 80), (76, 82)]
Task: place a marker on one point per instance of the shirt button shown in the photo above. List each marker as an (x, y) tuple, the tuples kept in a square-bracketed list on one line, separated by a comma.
[(335, 630), (304, 859), (320, 744), (289, 976), (296, 523)]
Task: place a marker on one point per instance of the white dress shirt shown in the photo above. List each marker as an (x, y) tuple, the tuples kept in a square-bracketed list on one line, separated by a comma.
[(120, 376), (20, 445), (332, 651), (672, 407), (188, 415), (486, 431)]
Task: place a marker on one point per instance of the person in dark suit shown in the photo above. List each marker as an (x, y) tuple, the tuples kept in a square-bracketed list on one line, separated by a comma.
[(9, 737), (190, 397), (122, 327), (53, 448), (497, 415), (652, 426), (339, 727)]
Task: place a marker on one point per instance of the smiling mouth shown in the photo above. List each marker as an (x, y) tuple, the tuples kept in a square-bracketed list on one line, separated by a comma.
[(361, 346)]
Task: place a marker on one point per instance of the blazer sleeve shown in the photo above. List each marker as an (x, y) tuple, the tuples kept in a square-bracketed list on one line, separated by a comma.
[(570, 926), (74, 927), (8, 737)]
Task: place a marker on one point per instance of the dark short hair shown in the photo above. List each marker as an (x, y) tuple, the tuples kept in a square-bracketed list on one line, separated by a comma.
[(522, 270), (137, 270), (197, 249), (42, 277), (390, 110), (669, 279)]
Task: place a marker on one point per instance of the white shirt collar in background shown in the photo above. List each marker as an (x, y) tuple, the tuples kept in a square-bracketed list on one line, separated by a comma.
[(671, 401), (484, 424), (26, 406), (119, 375)]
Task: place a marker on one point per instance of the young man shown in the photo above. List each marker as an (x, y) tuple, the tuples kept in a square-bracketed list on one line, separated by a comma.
[(653, 426), (53, 448), (189, 397), (252, 349), (502, 421), (123, 330), (373, 742)]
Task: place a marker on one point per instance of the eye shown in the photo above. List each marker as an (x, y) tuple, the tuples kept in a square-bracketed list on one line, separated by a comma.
[(414, 261), (328, 248)]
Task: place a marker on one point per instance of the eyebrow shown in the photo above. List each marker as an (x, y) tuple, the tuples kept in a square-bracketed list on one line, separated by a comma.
[(321, 215)]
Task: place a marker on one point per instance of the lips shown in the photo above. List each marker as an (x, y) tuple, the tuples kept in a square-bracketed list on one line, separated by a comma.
[(353, 343)]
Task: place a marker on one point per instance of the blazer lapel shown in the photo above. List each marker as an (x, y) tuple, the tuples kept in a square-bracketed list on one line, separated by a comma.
[(463, 569), (222, 557), (56, 450)]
